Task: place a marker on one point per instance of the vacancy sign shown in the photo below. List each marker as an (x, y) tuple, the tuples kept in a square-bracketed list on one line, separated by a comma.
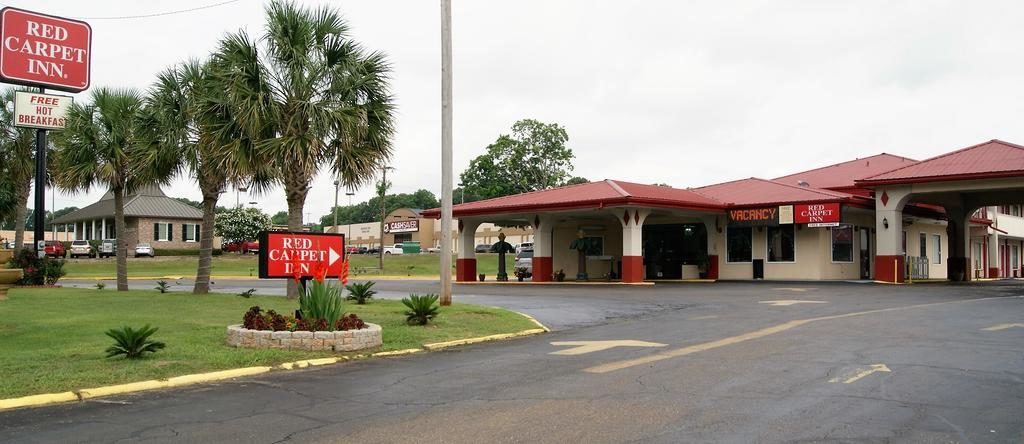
[(44, 50), (283, 254), (45, 111)]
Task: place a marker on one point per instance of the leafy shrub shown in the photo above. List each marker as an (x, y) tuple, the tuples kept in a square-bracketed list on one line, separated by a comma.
[(133, 343), (162, 286), (182, 252), (247, 293), (321, 302), (37, 271), (350, 322), (100, 285), (360, 292), (421, 308), (255, 320)]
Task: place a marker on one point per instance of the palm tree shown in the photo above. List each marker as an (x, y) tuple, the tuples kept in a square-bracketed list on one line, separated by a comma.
[(100, 146), (194, 134), (19, 145), (308, 96)]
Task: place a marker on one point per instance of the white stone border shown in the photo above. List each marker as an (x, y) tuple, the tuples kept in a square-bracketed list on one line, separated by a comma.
[(339, 341)]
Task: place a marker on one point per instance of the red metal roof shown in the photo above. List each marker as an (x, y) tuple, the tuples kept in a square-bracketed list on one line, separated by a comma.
[(587, 195), (991, 159), (844, 175), (755, 191)]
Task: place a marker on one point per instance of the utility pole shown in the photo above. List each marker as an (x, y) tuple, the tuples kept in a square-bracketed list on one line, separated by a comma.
[(383, 213), (39, 218), (446, 152), (349, 236), (336, 185)]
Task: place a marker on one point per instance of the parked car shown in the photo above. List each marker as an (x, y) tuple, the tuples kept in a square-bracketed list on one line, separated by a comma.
[(394, 249), (108, 248), (363, 250), (373, 250), (55, 249), (432, 250), (482, 248), (144, 249), (242, 247), (81, 248), (524, 259), (525, 246), (352, 250)]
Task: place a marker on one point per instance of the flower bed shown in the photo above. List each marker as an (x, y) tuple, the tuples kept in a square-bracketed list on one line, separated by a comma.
[(339, 341)]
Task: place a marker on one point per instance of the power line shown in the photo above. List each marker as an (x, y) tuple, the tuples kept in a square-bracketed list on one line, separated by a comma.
[(157, 14)]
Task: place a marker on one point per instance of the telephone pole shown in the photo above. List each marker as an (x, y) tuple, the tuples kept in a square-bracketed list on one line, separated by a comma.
[(383, 213), (446, 152)]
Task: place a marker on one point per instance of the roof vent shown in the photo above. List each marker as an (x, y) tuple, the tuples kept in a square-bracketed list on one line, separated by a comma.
[(803, 183)]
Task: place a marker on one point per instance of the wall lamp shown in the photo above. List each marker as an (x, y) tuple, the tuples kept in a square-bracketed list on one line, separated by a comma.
[(885, 223)]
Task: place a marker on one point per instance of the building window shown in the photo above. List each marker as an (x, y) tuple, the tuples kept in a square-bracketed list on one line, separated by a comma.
[(937, 245), (923, 243), (163, 232), (842, 244), (403, 237), (190, 232), (781, 243), (1014, 259), (738, 244), (904, 243)]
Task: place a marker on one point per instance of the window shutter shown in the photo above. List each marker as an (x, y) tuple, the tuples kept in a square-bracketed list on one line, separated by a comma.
[(184, 232), (170, 232), (156, 232), (196, 227)]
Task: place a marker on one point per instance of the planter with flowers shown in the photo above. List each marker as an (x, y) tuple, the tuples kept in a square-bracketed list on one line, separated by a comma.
[(319, 325)]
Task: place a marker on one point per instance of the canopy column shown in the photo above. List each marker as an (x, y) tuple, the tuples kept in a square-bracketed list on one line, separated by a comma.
[(543, 263), (465, 264), (632, 221)]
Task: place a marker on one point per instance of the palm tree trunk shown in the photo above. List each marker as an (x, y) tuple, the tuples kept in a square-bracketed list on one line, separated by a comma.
[(296, 194), (21, 215), (206, 244), (122, 243)]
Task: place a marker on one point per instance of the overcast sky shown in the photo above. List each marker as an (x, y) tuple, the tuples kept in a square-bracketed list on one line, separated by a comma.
[(682, 92)]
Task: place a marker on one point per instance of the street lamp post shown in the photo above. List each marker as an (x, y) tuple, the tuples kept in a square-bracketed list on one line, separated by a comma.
[(238, 202), (383, 214), (348, 237), (337, 184)]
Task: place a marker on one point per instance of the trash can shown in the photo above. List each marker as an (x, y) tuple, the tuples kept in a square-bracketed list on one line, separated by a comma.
[(758, 268)]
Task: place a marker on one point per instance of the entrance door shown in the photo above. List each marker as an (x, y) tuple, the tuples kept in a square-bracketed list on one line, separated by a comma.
[(865, 254), (668, 247)]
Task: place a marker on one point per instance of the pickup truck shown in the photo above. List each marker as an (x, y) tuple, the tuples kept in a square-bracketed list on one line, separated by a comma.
[(394, 249)]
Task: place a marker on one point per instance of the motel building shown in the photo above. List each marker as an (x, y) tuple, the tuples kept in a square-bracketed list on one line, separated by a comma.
[(956, 216)]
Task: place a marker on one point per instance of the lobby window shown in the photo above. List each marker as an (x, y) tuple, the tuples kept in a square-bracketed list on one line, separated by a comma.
[(163, 231), (937, 246), (782, 243), (738, 244), (190, 232), (923, 243), (842, 243)]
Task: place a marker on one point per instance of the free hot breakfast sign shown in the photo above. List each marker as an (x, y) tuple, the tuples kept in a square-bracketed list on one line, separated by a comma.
[(283, 253), (44, 50)]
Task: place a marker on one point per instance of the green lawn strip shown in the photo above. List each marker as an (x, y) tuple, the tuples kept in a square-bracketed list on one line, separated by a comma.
[(52, 340), (425, 265)]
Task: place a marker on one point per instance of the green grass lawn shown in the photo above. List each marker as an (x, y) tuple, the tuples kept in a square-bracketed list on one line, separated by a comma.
[(426, 265), (52, 340)]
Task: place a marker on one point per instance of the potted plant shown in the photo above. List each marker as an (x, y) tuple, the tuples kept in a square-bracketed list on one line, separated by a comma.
[(560, 275), (521, 273), (482, 276), (584, 246)]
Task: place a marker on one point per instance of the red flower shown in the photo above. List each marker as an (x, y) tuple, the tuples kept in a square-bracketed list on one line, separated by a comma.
[(344, 271), (296, 269), (320, 271)]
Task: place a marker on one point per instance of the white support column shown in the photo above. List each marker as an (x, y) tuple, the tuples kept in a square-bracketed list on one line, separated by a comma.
[(103, 229), (465, 265), (890, 260), (994, 260), (632, 220), (714, 227), (543, 262), (92, 229)]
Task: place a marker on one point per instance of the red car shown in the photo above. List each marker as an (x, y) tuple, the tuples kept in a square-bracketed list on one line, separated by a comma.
[(242, 247), (352, 250), (55, 249)]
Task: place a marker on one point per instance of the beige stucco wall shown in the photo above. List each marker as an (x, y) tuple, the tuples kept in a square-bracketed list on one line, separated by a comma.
[(567, 260)]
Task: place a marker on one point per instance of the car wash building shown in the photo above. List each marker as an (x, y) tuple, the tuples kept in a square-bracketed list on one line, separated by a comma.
[(884, 217)]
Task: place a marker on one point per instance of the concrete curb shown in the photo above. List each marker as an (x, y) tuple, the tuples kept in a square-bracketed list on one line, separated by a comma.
[(552, 283), (201, 378), (232, 277)]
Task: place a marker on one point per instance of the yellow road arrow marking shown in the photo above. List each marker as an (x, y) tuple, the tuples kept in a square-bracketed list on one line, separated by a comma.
[(998, 327), (701, 318), (788, 302), (875, 368), (798, 289), (582, 347)]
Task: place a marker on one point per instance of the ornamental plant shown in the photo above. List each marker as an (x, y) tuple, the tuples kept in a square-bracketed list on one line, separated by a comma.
[(421, 308), (37, 271), (133, 343), (360, 292)]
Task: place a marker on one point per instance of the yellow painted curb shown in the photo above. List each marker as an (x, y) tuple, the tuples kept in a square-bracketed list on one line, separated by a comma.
[(443, 345), (36, 400), (121, 388), (407, 351), (536, 322)]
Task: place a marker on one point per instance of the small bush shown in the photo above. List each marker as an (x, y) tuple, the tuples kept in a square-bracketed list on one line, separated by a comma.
[(133, 343), (360, 292), (321, 302), (162, 286), (421, 308), (100, 285), (247, 293), (182, 252), (256, 319), (350, 322), (37, 271)]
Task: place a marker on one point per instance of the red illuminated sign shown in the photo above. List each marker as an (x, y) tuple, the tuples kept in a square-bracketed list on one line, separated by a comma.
[(284, 254), (44, 50), (816, 213)]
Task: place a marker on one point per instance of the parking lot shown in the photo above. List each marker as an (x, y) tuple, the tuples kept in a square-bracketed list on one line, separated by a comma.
[(726, 362)]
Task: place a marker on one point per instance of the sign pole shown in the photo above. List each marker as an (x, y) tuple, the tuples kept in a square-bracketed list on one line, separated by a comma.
[(40, 210)]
